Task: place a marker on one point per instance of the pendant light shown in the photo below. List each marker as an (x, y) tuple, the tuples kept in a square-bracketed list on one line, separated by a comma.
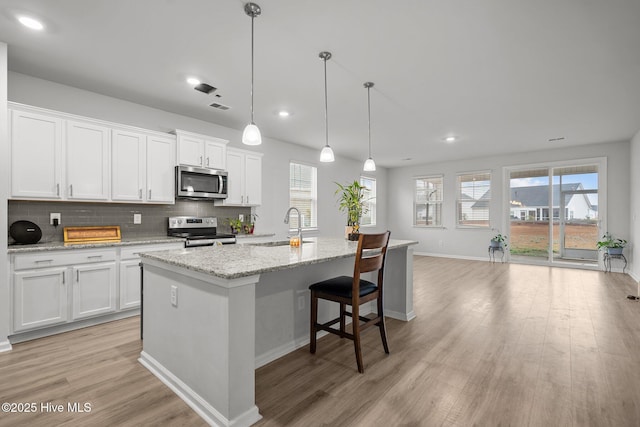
[(251, 134), (369, 164), (326, 155)]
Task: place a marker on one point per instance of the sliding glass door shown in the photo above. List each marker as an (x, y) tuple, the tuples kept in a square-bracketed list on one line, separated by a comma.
[(554, 214)]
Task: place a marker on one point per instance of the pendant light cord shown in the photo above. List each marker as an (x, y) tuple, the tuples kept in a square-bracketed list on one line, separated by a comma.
[(326, 103), (369, 110), (252, 18)]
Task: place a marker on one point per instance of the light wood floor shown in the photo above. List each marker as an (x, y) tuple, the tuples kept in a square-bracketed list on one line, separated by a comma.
[(492, 344)]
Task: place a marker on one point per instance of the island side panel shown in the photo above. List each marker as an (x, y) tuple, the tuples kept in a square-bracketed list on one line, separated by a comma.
[(203, 342), (398, 284)]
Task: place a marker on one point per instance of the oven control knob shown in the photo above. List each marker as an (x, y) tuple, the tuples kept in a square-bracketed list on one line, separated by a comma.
[(179, 221)]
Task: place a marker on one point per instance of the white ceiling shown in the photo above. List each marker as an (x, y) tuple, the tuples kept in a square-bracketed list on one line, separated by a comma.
[(504, 76)]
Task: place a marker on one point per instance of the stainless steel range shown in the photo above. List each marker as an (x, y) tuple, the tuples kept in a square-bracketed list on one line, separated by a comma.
[(198, 231)]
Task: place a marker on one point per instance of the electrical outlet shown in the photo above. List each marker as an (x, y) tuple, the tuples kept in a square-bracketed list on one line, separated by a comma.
[(241, 217), (137, 218), (174, 295), (53, 216)]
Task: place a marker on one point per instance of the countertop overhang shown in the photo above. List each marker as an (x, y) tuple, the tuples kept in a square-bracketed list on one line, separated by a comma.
[(51, 246), (241, 260)]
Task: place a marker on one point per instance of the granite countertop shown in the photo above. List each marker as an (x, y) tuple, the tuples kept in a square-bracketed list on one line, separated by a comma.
[(49, 246), (247, 236), (241, 260)]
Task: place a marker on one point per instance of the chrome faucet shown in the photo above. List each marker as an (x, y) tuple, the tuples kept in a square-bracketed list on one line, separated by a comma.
[(286, 220)]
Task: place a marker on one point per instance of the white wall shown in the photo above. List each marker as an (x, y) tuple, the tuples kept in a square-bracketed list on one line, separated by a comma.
[(473, 243), (277, 154), (634, 232), (4, 193)]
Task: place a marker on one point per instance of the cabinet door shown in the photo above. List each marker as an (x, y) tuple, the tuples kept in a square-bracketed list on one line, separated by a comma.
[(161, 181), (36, 156), (127, 166), (94, 289), (39, 298), (235, 179), (129, 284), (253, 180), (215, 154), (87, 165), (190, 151)]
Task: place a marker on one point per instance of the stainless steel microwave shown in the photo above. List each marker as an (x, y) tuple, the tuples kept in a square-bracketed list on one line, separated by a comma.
[(199, 183)]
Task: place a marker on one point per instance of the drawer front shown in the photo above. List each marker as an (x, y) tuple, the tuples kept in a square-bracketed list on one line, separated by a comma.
[(131, 252), (60, 258)]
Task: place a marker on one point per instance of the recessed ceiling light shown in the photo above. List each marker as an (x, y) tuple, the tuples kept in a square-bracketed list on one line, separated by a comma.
[(284, 113), (451, 139), (193, 81), (32, 23)]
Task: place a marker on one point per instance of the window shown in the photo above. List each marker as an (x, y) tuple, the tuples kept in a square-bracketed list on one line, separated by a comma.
[(369, 216), (303, 194), (474, 199), (427, 201)]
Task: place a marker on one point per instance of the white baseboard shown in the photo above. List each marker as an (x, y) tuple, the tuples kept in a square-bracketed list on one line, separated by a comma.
[(5, 346), (207, 412), (470, 258), (400, 316)]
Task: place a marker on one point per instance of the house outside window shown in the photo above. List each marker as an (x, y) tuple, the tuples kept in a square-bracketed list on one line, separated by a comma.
[(473, 199), (303, 194), (427, 201), (369, 217)]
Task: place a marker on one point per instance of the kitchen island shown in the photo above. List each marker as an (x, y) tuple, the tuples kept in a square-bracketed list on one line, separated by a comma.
[(213, 314)]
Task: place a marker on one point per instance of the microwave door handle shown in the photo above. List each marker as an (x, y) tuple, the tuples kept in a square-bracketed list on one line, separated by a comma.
[(220, 185)]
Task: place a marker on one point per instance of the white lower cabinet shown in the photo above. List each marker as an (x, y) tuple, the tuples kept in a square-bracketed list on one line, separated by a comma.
[(39, 298), (94, 290), (129, 284), (51, 289)]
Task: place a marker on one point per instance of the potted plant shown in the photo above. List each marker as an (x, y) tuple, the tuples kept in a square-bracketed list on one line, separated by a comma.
[(610, 244), (351, 201), (498, 241), (250, 226), (235, 224)]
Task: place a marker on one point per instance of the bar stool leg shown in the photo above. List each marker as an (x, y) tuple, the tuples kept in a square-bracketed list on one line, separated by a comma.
[(314, 320)]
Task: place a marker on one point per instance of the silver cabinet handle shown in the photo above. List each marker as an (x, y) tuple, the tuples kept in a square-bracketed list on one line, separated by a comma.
[(241, 199), (149, 194), (200, 160), (247, 199), (71, 190), (94, 256), (57, 189), (43, 260), (63, 278), (140, 194), (77, 275), (207, 162)]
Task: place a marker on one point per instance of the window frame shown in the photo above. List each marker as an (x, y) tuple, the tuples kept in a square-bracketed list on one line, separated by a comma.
[(458, 206), (437, 202), (371, 202), (314, 197)]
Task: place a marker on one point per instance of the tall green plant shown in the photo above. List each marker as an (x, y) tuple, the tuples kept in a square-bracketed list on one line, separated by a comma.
[(351, 201)]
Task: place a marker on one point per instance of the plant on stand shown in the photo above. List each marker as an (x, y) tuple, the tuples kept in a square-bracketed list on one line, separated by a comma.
[(610, 244), (499, 241), (351, 201)]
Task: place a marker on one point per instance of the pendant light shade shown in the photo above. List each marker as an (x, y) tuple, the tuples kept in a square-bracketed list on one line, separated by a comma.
[(326, 155), (251, 134), (369, 164)]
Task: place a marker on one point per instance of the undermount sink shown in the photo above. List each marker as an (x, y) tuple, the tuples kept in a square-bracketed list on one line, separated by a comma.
[(278, 243)]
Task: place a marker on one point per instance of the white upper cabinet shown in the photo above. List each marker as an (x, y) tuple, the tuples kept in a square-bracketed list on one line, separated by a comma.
[(128, 166), (244, 181), (36, 156), (59, 156), (201, 151), (161, 178), (87, 167)]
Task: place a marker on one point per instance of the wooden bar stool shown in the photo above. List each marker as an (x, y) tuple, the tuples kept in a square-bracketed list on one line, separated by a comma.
[(353, 291)]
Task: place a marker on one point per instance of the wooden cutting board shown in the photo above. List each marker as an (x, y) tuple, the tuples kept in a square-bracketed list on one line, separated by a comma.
[(106, 233)]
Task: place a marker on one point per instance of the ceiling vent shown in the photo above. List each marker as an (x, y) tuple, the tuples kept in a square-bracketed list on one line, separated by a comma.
[(205, 88), (220, 106)]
